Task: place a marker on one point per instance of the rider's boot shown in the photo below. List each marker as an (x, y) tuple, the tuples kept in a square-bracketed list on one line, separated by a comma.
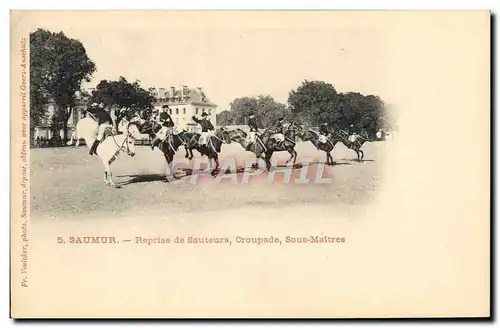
[(93, 149)]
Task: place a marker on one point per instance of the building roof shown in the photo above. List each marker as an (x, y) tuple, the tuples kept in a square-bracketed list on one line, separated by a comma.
[(194, 96)]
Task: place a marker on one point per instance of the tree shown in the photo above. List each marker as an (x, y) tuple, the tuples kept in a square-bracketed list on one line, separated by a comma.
[(59, 65), (241, 108), (224, 118), (126, 98), (315, 102), (364, 113), (265, 108), (269, 110)]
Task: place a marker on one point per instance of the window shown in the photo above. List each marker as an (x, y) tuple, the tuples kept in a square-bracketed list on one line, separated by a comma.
[(184, 111), (209, 112), (177, 111), (203, 110), (197, 111), (170, 111)]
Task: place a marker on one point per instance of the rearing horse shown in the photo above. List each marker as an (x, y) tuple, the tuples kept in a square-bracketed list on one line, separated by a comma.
[(110, 147), (168, 147), (327, 147), (265, 144), (356, 145), (211, 149)]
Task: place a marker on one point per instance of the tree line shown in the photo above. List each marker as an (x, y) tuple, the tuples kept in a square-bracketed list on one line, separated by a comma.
[(60, 65), (313, 103)]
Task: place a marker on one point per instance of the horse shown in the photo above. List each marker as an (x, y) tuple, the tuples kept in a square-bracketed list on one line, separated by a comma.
[(327, 147), (356, 145), (168, 147), (211, 149), (110, 146), (266, 145), (190, 142)]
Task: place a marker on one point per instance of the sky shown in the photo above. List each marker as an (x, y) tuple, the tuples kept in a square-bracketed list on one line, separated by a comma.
[(232, 55)]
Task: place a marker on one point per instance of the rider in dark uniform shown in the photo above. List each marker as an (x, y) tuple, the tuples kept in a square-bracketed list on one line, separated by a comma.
[(206, 125), (206, 128), (103, 117), (166, 122), (252, 123), (277, 127), (254, 129)]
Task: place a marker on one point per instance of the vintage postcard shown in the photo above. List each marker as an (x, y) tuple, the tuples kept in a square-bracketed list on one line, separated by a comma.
[(250, 164)]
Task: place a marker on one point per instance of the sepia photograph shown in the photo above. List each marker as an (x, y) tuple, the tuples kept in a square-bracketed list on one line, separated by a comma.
[(249, 164)]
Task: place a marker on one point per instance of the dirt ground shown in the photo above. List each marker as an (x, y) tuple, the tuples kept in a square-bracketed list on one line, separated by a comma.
[(67, 183)]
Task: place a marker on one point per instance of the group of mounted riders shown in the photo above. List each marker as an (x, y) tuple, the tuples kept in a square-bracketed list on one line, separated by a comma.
[(105, 120), (166, 126)]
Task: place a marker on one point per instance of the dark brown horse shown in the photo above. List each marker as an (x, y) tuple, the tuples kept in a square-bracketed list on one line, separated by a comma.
[(265, 144), (168, 147), (356, 145), (211, 149), (327, 147)]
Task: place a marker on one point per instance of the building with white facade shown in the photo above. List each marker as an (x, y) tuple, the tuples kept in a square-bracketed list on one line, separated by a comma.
[(184, 103), (44, 129)]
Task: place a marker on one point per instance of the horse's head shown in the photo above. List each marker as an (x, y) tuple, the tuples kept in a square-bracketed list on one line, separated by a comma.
[(342, 134), (129, 144), (364, 135), (237, 135), (133, 130), (307, 135), (223, 135)]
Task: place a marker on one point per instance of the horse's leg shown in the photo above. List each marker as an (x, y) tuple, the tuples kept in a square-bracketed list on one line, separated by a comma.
[(107, 174), (169, 172), (256, 164), (330, 158), (187, 153), (294, 157), (191, 154), (268, 160), (357, 153), (290, 151), (362, 154), (216, 160)]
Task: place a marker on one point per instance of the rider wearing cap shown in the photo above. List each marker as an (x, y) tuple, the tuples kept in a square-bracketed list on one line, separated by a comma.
[(323, 133), (252, 124), (206, 128), (353, 137), (104, 121), (165, 120), (277, 128)]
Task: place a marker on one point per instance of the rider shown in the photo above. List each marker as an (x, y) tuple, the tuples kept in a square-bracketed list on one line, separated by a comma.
[(353, 137), (252, 124), (277, 128), (323, 132), (167, 126), (104, 120), (206, 128)]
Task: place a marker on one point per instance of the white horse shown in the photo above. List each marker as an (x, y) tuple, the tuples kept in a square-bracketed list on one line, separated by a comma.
[(109, 149)]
